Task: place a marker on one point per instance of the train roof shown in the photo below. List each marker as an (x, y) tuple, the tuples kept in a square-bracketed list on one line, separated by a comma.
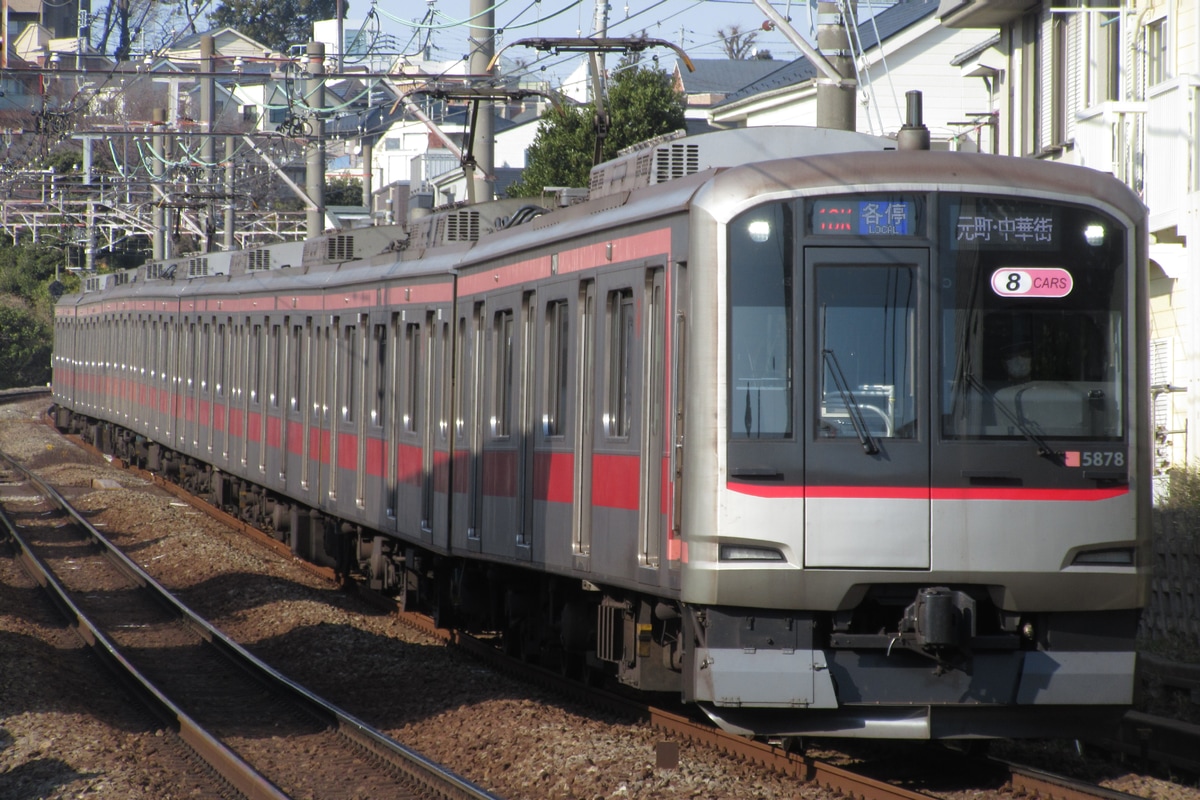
[(905, 169), (651, 179)]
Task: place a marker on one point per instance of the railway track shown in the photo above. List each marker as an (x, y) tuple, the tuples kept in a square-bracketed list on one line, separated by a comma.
[(944, 766), (27, 393), (265, 736), (680, 728)]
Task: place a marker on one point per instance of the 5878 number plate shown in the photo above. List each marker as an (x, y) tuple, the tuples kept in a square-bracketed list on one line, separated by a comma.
[(1095, 458)]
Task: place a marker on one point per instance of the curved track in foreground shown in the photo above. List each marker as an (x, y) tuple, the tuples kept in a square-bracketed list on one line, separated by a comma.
[(1012, 777), (248, 722)]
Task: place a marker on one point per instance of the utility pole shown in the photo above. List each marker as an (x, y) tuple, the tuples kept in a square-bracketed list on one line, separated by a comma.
[(600, 82), (207, 120), (367, 152), (229, 179), (833, 58), (158, 169), (314, 96), (836, 107), (482, 43)]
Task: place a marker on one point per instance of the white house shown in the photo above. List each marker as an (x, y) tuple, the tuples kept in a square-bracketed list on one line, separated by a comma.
[(902, 48), (409, 150), (1116, 86)]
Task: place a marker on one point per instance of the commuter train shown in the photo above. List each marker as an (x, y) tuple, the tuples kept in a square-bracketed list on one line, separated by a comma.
[(826, 437)]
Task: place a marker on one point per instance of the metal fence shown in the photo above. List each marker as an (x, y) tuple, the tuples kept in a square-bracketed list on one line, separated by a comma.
[(1173, 610)]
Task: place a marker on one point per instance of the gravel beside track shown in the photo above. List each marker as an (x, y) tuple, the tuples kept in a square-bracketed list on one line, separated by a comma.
[(58, 739)]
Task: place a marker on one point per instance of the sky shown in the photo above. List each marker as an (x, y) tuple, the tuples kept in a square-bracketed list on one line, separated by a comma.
[(693, 24)]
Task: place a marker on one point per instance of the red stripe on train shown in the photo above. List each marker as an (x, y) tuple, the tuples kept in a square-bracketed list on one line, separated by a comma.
[(554, 477), (616, 482), (408, 465), (923, 493)]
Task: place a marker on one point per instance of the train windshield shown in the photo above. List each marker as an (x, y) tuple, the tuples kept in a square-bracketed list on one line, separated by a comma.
[(761, 320), (1032, 334)]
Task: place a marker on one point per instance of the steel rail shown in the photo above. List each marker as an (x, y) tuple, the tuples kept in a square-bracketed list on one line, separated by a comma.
[(244, 778), (226, 763)]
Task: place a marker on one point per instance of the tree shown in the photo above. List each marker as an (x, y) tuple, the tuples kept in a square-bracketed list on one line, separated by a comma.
[(276, 23), (642, 103), (738, 45), (25, 343), (343, 192), (27, 313), (26, 273)]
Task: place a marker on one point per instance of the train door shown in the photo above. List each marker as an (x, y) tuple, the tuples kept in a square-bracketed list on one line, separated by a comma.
[(166, 379), (442, 387), (677, 308), (526, 426), (178, 387), (324, 453), (281, 401), (376, 422), (585, 429), (425, 379), (223, 353), (300, 407), (347, 448), (391, 417), (468, 429), (865, 408), (426, 359), (652, 524), (207, 391), (411, 389), (618, 424), (268, 434), (195, 378), (507, 468)]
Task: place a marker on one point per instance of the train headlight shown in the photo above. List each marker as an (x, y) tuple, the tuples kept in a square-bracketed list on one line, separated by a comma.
[(759, 230), (1094, 234), (743, 552)]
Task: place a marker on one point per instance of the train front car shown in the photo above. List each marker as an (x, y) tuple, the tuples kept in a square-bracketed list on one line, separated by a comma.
[(917, 503)]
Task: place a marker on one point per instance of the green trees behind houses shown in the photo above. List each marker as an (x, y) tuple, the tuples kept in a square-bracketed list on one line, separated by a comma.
[(642, 104), (27, 313)]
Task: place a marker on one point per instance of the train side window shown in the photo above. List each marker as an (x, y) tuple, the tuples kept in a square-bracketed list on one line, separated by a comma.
[(193, 358), (621, 320), (460, 384), (378, 374), (502, 397), (256, 363), (294, 374), (447, 370), (205, 357), (219, 349), (329, 373), (171, 337), (237, 355), (350, 371), (154, 347), (554, 395), (412, 384), (278, 349)]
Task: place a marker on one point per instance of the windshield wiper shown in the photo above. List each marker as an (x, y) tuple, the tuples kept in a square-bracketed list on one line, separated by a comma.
[(855, 410), (1043, 447)]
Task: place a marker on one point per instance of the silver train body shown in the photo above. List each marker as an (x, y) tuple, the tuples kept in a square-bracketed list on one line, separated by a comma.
[(826, 438)]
